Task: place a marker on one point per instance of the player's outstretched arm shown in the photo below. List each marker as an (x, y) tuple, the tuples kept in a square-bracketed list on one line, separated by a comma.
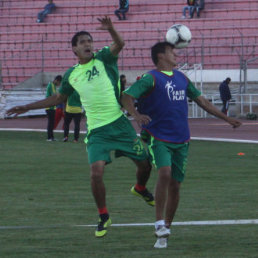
[(48, 102), (118, 42), (210, 108), (128, 103)]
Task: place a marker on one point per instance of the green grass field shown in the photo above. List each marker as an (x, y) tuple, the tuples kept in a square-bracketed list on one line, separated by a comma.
[(44, 186)]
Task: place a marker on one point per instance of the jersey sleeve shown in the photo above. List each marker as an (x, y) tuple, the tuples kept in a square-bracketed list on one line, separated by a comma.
[(192, 92), (106, 56), (74, 100), (141, 87), (66, 88)]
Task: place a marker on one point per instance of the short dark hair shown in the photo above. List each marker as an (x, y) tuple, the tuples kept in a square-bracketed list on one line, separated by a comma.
[(122, 76), (58, 78), (228, 80), (159, 47), (77, 35)]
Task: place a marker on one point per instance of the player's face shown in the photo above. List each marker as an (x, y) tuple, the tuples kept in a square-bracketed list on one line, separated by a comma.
[(170, 56), (57, 83), (123, 81), (84, 49)]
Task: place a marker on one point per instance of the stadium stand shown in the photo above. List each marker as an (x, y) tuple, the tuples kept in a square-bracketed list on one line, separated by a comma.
[(225, 29)]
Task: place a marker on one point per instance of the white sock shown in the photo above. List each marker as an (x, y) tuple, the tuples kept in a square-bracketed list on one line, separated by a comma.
[(159, 223)]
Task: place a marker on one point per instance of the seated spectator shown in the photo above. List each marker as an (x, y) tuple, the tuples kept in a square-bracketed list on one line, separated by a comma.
[(189, 7), (49, 8), (123, 8), (199, 5)]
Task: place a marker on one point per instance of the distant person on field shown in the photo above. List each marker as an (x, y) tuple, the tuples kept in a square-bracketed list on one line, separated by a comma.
[(73, 111), (59, 114), (225, 95), (199, 5), (51, 111), (123, 8), (122, 82), (49, 8), (189, 7)]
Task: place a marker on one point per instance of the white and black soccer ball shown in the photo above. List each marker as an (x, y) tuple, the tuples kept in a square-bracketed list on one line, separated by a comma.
[(179, 35)]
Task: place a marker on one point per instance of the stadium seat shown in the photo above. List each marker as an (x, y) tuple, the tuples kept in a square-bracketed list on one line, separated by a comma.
[(25, 45)]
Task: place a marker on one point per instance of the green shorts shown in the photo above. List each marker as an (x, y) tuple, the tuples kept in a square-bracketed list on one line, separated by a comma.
[(165, 154), (119, 136)]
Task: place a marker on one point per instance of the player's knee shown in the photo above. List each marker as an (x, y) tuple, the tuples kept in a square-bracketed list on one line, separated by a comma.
[(164, 174), (96, 172), (96, 177)]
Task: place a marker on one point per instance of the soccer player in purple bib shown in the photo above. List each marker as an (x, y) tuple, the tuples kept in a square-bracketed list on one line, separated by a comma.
[(163, 114)]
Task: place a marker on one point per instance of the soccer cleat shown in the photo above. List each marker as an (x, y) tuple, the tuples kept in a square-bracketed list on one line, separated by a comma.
[(162, 232), (65, 139), (145, 194), (161, 242), (51, 140), (102, 227)]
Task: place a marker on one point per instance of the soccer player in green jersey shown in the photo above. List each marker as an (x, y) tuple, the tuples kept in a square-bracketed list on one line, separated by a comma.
[(73, 111), (163, 114), (96, 79), (51, 90)]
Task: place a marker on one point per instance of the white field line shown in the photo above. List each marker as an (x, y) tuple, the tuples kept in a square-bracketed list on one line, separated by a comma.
[(185, 223), (189, 223), (84, 132), (223, 140), (34, 130)]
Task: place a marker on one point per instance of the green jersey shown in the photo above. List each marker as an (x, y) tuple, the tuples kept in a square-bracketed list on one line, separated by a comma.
[(97, 83), (73, 104), (51, 90)]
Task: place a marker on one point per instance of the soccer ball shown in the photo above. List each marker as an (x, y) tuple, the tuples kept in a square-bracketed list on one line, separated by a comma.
[(179, 35)]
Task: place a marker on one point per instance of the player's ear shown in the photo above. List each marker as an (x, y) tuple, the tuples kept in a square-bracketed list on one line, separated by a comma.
[(74, 48)]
